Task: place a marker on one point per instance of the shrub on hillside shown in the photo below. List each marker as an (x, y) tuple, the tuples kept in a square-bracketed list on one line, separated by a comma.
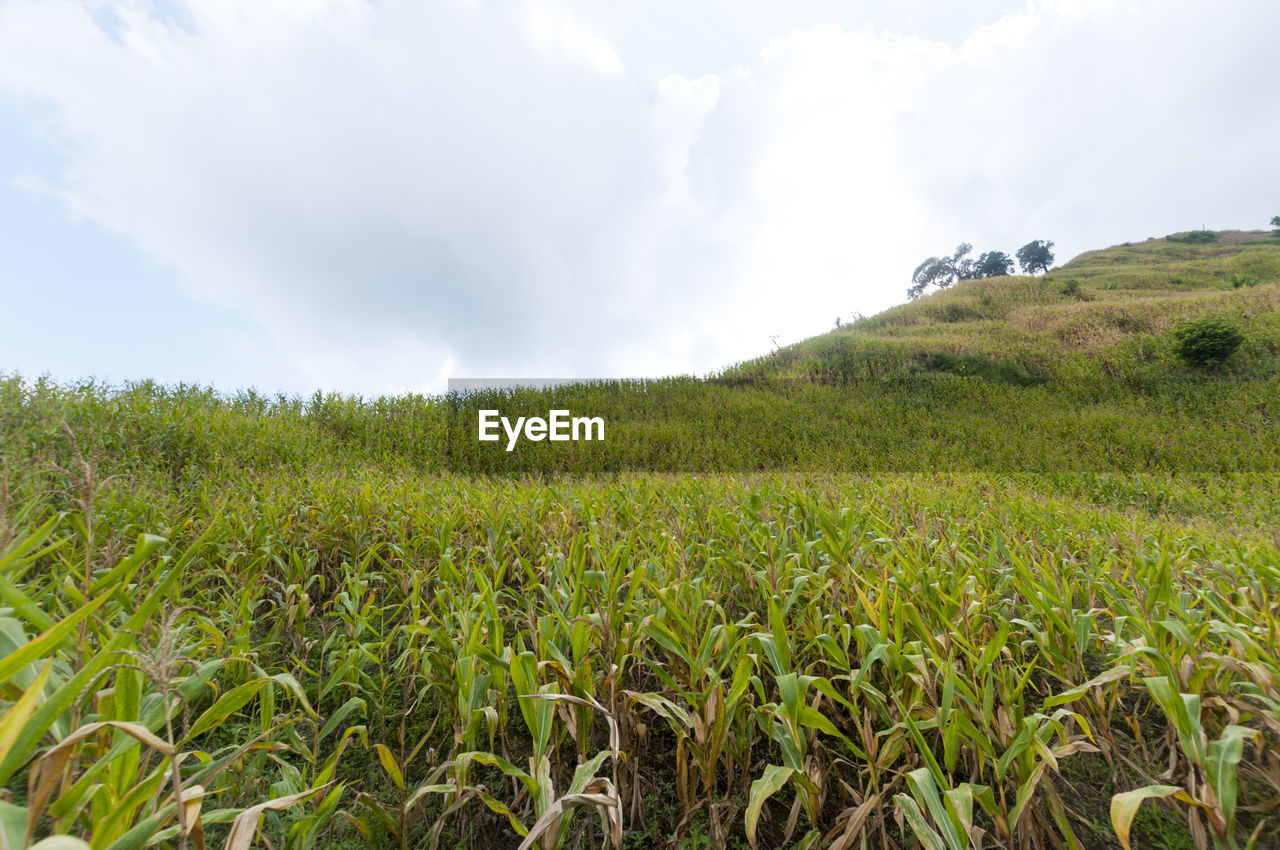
[(1071, 288), (1195, 237), (1206, 342), (951, 313), (978, 366)]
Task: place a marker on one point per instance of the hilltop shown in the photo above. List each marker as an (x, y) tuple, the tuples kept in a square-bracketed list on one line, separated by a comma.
[(1104, 315)]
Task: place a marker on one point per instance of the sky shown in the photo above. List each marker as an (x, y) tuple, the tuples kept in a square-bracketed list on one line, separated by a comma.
[(373, 196)]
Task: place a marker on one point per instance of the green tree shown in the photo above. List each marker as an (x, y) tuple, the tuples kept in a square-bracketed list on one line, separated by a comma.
[(942, 271), (1035, 257), (960, 261), (993, 264), (935, 271)]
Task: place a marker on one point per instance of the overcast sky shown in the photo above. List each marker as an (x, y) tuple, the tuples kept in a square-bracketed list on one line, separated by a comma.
[(374, 196)]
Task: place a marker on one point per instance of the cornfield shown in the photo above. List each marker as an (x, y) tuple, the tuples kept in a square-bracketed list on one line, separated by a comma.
[(337, 653)]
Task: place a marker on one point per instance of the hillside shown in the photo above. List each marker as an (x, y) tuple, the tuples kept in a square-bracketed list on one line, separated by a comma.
[(1104, 316), (988, 569), (946, 382)]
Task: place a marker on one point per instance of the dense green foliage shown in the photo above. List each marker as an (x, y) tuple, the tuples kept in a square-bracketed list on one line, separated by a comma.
[(1195, 237), (1207, 341), (993, 264), (1035, 257), (971, 579), (978, 366)]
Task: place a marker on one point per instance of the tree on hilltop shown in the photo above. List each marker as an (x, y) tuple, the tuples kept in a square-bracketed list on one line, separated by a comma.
[(993, 264), (960, 261), (935, 271), (1036, 256), (942, 271)]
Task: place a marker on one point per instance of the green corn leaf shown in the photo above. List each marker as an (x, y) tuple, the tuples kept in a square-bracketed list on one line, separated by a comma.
[(53, 707), (1222, 757), (1112, 675), (586, 772), (925, 792), (47, 642), (124, 571), (13, 824), (291, 684), (778, 624), (335, 719), (924, 833), (227, 705), (1125, 806), (774, 777), (12, 721), (922, 747), (502, 764), (1183, 711)]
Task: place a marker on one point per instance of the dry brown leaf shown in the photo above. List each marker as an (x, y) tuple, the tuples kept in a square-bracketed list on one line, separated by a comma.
[(245, 826)]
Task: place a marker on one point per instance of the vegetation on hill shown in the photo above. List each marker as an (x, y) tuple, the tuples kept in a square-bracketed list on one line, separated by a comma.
[(942, 272), (1099, 324), (992, 566)]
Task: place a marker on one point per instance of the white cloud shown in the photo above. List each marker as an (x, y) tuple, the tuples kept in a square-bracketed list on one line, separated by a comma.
[(397, 191), (557, 30)]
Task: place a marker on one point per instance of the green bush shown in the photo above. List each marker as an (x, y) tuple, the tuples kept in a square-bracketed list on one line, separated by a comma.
[(979, 366), (1207, 342), (1195, 237), (952, 313)]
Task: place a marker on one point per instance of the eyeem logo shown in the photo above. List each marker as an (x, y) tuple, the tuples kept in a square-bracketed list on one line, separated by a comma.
[(559, 427)]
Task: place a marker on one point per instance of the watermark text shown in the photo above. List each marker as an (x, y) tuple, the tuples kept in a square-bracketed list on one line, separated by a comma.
[(559, 426)]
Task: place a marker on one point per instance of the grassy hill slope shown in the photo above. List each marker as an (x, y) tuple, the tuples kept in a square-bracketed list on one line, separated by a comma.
[(1072, 370), (1102, 317)]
